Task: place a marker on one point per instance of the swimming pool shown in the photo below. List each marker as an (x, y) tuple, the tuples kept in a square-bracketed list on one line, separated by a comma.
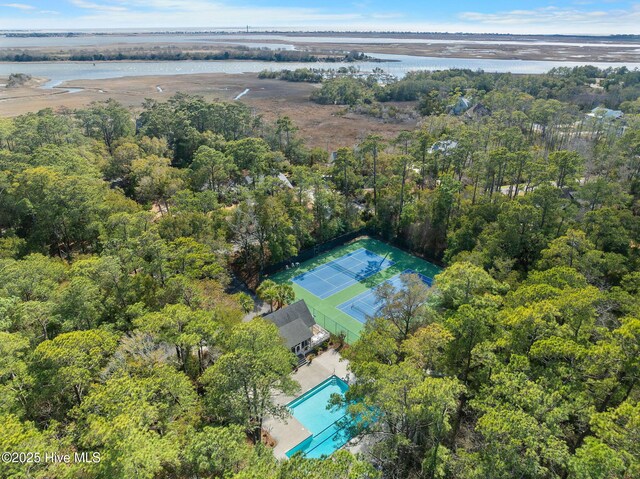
[(328, 433)]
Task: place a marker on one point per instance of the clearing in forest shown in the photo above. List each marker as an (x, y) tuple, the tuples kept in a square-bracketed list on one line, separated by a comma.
[(339, 285)]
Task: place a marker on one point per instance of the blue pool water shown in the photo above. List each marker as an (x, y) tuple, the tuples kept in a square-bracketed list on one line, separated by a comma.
[(325, 426), (367, 305), (341, 273)]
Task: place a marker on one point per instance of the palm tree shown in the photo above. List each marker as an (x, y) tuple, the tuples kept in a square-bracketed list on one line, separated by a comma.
[(267, 292), (245, 301), (284, 295)]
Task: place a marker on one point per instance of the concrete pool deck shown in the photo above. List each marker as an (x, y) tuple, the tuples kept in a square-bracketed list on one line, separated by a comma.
[(290, 432)]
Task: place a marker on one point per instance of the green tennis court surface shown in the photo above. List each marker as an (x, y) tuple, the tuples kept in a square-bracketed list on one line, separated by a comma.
[(329, 278), (358, 268)]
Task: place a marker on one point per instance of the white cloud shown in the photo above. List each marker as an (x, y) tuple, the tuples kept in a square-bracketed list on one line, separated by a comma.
[(101, 7), (387, 15), (19, 6), (561, 19), (198, 13), (167, 14)]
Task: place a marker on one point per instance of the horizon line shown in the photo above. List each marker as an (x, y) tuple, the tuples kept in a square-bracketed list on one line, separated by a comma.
[(245, 29)]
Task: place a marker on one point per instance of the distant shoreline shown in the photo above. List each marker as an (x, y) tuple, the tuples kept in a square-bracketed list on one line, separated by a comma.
[(295, 32), (311, 46)]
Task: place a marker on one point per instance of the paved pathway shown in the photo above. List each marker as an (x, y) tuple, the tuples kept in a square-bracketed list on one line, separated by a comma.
[(260, 307)]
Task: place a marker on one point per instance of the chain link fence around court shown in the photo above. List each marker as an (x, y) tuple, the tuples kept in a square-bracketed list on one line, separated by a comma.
[(310, 253), (334, 327)]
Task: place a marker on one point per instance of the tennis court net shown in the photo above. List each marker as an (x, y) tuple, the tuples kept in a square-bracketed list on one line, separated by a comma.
[(346, 271), (368, 312)]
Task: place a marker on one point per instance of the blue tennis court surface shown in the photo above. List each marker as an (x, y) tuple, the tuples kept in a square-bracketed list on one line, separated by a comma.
[(341, 273), (367, 305)]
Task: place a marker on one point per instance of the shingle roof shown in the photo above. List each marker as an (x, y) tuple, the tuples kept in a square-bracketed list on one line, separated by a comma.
[(478, 110), (295, 332), (294, 322)]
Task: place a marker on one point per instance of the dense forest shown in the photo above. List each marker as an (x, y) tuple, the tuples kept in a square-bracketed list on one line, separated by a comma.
[(577, 88), (121, 325)]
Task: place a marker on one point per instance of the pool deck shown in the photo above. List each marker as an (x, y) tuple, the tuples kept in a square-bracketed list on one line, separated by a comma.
[(290, 432)]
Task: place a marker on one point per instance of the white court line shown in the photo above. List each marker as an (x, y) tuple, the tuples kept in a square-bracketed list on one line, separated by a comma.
[(330, 291), (315, 274), (346, 308), (337, 273), (355, 262)]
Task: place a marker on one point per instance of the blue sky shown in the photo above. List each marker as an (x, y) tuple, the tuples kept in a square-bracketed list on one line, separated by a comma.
[(501, 16)]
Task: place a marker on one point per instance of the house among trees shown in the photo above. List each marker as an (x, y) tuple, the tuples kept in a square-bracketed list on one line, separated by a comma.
[(601, 113), (443, 146), (249, 180), (284, 180), (460, 106), (477, 111), (298, 328)]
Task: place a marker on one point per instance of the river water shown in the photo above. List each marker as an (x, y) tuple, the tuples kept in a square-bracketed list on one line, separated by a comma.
[(397, 65), (259, 40)]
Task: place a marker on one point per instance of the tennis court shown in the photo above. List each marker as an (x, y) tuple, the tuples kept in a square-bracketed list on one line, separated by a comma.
[(329, 280), (366, 304), (336, 275)]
